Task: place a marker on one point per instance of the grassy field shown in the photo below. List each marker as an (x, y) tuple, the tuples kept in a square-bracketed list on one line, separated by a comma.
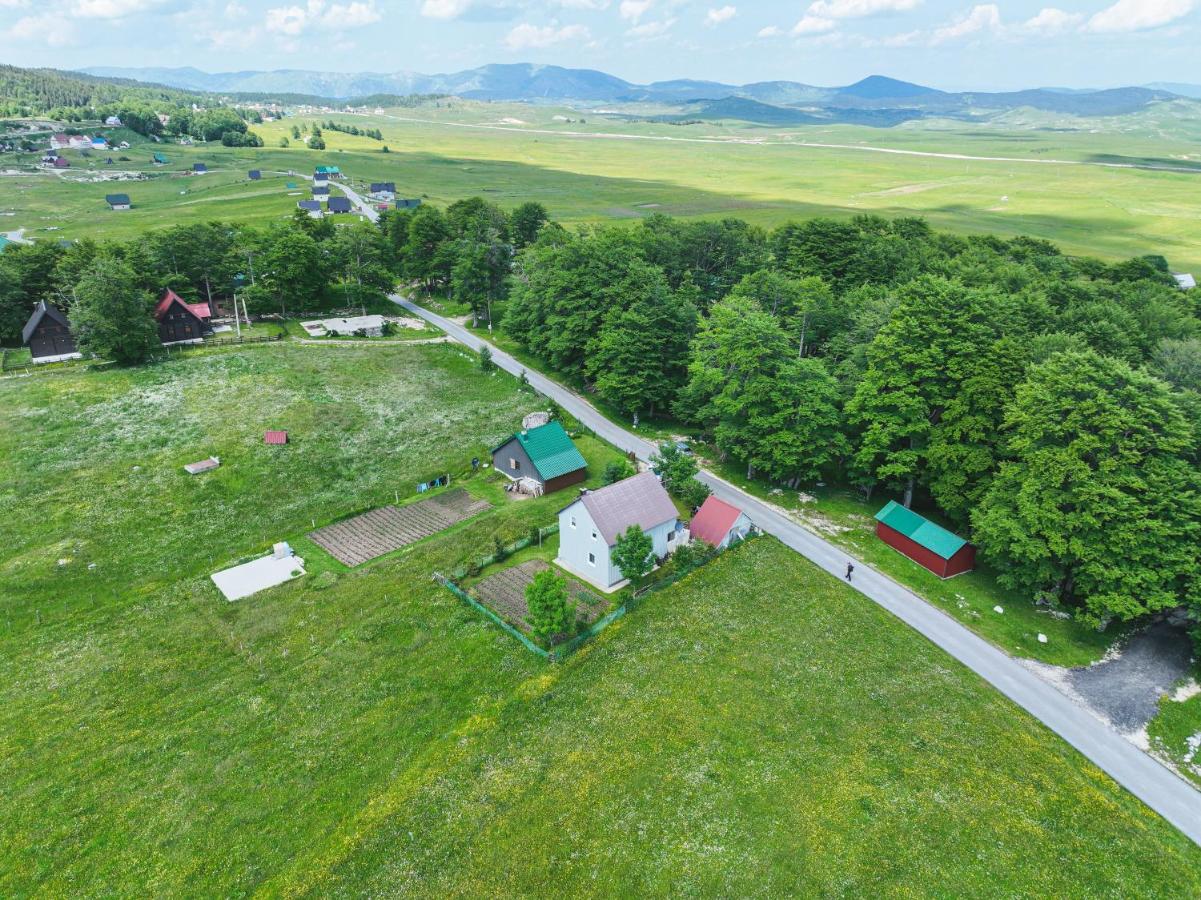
[(1176, 732), (608, 169), (758, 729)]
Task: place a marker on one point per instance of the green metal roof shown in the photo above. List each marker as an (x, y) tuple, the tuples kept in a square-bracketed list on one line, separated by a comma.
[(329, 170), (551, 450), (4, 242), (920, 530)]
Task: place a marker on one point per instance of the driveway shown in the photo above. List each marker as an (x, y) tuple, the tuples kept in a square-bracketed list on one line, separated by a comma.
[(1157, 786)]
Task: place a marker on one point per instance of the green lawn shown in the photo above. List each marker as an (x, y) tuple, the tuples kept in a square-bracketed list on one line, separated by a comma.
[(756, 729), (1176, 733), (614, 169)]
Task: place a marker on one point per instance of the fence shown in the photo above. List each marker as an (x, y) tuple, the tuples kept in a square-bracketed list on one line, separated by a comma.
[(475, 604), (225, 342)]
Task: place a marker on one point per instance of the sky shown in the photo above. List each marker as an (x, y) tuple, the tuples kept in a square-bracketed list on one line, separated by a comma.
[(944, 43)]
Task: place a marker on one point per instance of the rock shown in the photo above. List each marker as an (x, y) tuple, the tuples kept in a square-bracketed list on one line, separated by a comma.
[(1042, 638), (998, 609)]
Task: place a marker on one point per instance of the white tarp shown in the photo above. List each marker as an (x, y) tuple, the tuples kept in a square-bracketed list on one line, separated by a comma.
[(258, 575), (373, 325)]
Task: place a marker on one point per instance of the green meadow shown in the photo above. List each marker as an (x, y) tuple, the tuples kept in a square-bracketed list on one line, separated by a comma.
[(1045, 177), (758, 729)]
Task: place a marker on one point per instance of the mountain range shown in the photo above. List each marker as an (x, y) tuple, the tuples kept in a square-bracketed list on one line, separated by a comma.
[(528, 82)]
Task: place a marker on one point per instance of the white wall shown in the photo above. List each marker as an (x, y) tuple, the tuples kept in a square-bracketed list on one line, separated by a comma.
[(576, 542)]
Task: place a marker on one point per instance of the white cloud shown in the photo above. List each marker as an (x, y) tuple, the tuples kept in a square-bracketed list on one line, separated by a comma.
[(986, 17), (633, 10), (49, 28), (293, 21), (110, 9), (444, 9), (717, 16), (582, 4), (1136, 15), (235, 10), (813, 25), (649, 30), (1051, 21), (234, 38), (771, 31), (13, 4), (858, 9), (526, 36)]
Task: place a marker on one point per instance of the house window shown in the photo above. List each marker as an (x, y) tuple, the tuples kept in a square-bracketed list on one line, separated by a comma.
[(573, 521), (594, 535), (514, 464), (671, 536), (592, 559)]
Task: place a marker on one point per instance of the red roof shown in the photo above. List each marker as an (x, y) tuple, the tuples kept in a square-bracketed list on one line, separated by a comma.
[(714, 520), (275, 437), (199, 310)]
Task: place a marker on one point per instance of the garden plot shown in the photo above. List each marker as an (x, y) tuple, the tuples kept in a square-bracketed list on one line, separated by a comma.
[(364, 537), (504, 592)]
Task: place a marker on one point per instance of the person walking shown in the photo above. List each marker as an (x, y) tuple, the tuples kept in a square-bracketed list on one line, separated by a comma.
[(850, 570)]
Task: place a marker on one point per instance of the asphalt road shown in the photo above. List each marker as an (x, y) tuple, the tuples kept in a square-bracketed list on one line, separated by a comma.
[(1157, 786)]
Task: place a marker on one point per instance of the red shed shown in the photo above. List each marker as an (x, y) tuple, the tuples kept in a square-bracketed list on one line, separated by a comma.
[(929, 545)]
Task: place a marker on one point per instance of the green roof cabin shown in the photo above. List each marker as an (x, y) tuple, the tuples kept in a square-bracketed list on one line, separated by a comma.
[(932, 546), (544, 455)]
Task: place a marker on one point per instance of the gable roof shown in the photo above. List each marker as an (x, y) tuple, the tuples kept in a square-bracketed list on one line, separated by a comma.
[(42, 311), (255, 174), (639, 500), (199, 167), (116, 199), (383, 186), (328, 170), (199, 310), (408, 204), (714, 520), (309, 205), (339, 204), (320, 189), (550, 450), (920, 530)]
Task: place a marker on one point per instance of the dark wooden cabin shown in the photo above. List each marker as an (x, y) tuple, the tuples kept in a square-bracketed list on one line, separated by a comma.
[(180, 321), (48, 333)]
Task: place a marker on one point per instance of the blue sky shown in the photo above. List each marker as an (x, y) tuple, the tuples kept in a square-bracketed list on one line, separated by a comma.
[(946, 43)]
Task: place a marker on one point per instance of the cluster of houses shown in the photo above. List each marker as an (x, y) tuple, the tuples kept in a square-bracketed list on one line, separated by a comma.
[(49, 338), (334, 205), (384, 193), (543, 459)]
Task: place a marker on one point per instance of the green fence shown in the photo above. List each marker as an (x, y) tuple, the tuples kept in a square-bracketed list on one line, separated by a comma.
[(475, 604)]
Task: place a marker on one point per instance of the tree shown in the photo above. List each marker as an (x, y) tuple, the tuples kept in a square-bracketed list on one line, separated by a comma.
[(480, 269), (485, 359), (1094, 506), (112, 318), (673, 466), (615, 471), (292, 269), (633, 554), (526, 221), (14, 310), (916, 365), (548, 610), (424, 257), (1178, 362), (639, 359)]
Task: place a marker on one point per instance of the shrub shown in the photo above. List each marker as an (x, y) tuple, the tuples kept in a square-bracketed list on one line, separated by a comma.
[(486, 359), (617, 470), (534, 535), (499, 551), (549, 613)]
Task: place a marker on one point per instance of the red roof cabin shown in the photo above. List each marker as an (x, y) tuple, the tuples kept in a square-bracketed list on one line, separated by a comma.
[(942, 552), (717, 523), (180, 322)]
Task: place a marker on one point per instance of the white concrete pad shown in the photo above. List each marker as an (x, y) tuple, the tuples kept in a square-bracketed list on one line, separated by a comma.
[(258, 575), (373, 325)]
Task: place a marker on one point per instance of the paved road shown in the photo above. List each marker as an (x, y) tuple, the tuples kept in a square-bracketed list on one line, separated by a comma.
[(1153, 783)]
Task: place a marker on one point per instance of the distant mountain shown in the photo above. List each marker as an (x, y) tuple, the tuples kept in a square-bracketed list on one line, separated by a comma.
[(1180, 90), (877, 87), (877, 99)]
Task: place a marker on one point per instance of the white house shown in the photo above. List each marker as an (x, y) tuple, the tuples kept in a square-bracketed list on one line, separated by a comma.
[(80, 142), (590, 526), (114, 121)]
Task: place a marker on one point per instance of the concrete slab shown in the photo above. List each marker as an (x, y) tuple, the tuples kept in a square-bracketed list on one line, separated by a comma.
[(257, 575)]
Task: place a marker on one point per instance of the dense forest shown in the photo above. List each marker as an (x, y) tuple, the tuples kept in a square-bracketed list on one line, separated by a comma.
[(1047, 405)]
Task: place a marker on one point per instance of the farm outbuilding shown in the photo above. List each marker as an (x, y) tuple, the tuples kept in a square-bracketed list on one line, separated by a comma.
[(180, 322), (199, 168), (312, 207), (48, 335), (117, 201), (545, 455), (255, 174), (718, 524), (929, 545), (338, 205)]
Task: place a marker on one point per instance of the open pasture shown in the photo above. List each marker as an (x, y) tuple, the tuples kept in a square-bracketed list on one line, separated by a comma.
[(757, 728)]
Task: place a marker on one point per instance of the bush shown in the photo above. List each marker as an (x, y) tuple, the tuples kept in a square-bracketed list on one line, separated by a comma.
[(534, 535), (499, 552), (485, 359), (617, 470)]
